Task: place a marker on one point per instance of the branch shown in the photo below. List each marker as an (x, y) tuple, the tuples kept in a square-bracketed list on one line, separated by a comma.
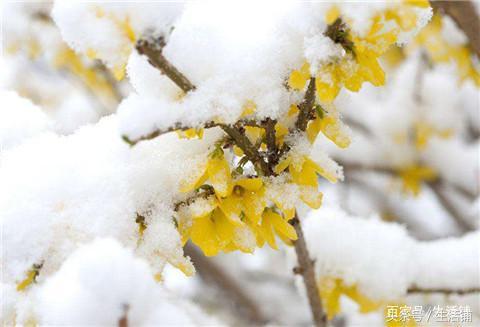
[(444, 201), (123, 321), (176, 127), (270, 135), (306, 269), (204, 194), (436, 187), (153, 51), (213, 274), (242, 141), (306, 107), (464, 15), (446, 291)]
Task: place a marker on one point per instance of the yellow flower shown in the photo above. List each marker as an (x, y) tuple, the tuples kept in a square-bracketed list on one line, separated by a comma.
[(332, 14), (215, 223), (216, 171), (298, 78), (331, 126), (247, 198), (97, 83), (424, 132), (30, 279), (248, 109), (191, 133), (304, 170), (273, 222), (331, 289), (440, 51), (412, 177)]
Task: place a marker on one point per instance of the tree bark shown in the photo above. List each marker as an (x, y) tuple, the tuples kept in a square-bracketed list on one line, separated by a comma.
[(307, 270)]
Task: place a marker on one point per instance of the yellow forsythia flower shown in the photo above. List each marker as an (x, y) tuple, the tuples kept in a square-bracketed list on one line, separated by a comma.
[(412, 177), (331, 289), (30, 279), (424, 132), (440, 51), (304, 170)]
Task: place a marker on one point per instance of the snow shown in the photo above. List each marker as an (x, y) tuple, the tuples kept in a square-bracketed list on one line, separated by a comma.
[(87, 185), (20, 120), (102, 282), (383, 260), (108, 28)]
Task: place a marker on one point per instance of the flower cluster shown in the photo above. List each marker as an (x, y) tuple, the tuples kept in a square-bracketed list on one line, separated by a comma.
[(233, 211), (359, 63), (440, 50)]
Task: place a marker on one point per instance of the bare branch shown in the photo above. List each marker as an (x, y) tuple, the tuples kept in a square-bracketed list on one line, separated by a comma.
[(176, 127), (215, 275), (153, 51), (444, 201), (306, 269), (446, 291), (123, 322)]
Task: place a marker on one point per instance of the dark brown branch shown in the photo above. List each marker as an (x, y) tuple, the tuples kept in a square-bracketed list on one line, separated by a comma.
[(270, 139), (446, 291), (200, 195), (153, 51), (466, 18), (306, 108), (242, 141), (176, 127), (213, 274), (123, 322), (306, 269)]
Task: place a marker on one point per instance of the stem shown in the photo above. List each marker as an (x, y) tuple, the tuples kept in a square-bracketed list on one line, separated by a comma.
[(306, 269), (446, 291), (212, 273), (123, 321), (242, 141), (270, 136), (154, 53), (306, 107), (464, 15)]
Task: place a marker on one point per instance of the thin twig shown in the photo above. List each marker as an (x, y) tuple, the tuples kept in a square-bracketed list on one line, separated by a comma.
[(444, 201), (153, 51), (415, 290), (306, 269), (176, 127), (466, 18), (213, 274), (447, 204)]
